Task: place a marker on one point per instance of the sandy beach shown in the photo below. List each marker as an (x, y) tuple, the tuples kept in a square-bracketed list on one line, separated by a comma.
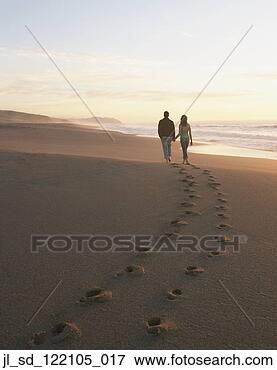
[(71, 180)]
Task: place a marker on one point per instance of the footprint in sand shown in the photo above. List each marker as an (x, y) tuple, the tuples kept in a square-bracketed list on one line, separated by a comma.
[(214, 183), (157, 325), (183, 171), (64, 330), (215, 187), (215, 254), (194, 196), (174, 294), (193, 183), (189, 190), (169, 234), (96, 295), (193, 213), (222, 200), (60, 332), (132, 270), (185, 180), (224, 226), (188, 204), (194, 270), (222, 215), (179, 222), (222, 207), (220, 194), (195, 167), (190, 177), (176, 166)]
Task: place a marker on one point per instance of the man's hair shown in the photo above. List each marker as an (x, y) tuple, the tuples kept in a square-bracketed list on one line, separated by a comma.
[(166, 113)]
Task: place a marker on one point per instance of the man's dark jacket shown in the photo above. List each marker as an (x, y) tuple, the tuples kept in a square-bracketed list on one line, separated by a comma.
[(166, 128)]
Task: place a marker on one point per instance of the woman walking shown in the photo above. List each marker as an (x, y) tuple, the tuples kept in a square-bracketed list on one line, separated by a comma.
[(185, 137)]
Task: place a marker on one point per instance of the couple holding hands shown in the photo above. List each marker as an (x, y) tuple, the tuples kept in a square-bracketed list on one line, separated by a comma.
[(166, 131)]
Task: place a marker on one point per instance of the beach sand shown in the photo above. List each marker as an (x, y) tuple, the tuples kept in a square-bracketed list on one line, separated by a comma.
[(66, 180)]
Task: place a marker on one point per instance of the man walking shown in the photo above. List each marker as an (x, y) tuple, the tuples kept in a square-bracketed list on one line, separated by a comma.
[(166, 131)]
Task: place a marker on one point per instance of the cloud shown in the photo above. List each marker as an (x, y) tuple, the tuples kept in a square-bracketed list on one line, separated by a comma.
[(54, 87), (161, 95), (110, 76), (81, 57), (32, 87)]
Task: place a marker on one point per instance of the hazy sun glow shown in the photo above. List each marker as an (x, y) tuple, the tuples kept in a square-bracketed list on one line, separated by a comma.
[(133, 59)]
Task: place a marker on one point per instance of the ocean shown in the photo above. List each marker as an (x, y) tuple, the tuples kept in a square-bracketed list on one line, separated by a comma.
[(246, 139)]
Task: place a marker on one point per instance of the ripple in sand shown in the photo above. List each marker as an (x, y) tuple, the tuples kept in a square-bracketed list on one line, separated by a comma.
[(188, 204), (194, 270), (174, 294), (183, 171), (96, 295), (132, 270), (157, 325), (190, 177), (207, 172)]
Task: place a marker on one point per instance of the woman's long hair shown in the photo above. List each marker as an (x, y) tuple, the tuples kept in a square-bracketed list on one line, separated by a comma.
[(184, 120)]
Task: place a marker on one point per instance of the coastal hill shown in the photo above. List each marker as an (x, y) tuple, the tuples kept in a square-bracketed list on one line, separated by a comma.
[(9, 116)]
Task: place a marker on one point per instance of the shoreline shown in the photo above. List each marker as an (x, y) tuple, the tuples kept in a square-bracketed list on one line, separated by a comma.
[(75, 140), (199, 147)]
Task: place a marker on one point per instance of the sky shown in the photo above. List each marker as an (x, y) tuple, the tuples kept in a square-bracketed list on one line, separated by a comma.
[(133, 59)]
